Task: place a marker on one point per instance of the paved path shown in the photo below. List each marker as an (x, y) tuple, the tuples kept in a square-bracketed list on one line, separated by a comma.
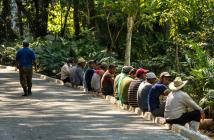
[(55, 112)]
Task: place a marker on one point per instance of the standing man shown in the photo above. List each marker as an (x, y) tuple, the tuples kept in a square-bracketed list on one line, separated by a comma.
[(25, 58)]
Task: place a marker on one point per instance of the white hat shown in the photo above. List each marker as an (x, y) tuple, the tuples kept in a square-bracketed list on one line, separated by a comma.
[(150, 75), (177, 84)]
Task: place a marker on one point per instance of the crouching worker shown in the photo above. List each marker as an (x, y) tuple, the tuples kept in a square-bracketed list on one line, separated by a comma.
[(177, 103), (65, 71), (158, 91)]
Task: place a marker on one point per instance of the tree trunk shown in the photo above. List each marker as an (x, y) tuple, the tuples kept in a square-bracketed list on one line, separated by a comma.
[(110, 35), (130, 25), (91, 14), (177, 59), (20, 23), (6, 29), (76, 18), (65, 20), (38, 21), (43, 20)]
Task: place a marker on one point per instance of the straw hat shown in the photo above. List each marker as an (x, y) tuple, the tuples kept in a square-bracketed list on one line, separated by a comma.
[(177, 84), (81, 60)]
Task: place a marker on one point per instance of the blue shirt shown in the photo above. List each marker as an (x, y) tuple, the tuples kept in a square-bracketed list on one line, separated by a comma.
[(153, 98), (25, 57)]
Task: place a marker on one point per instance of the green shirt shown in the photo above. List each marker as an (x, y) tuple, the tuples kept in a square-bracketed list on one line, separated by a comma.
[(122, 76), (124, 87)]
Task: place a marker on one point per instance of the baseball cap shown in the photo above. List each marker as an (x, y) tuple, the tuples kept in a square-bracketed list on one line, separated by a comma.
[(141, 71), (126, 69), (150, 75), (165, 74)]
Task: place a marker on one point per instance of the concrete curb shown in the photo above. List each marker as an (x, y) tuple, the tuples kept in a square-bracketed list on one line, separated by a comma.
[(183, 131), (188, 133), (8, 68), (44, 77)]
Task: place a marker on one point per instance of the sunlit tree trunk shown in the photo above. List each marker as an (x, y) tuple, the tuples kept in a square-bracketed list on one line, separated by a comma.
[(130, 25), (65, 20)]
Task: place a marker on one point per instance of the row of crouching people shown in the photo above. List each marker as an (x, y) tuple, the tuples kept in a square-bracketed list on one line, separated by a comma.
[(162, 96)]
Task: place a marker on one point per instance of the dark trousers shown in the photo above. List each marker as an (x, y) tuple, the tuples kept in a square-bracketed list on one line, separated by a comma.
[(186, 118), (67, 79), (159, 112), (25, 75)]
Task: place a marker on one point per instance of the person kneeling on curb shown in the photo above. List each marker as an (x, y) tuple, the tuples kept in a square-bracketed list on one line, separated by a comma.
[(178, 102)]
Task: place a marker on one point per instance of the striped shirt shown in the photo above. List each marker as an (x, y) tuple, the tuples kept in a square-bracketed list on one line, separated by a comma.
[(132, 92)]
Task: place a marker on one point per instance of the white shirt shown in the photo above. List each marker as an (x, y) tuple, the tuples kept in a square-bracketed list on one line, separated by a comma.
[(177, 103), (65, 71), (95, 82)]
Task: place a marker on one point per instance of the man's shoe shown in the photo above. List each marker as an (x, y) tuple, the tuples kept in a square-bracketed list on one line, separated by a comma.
[(29, 91), (25, 92)]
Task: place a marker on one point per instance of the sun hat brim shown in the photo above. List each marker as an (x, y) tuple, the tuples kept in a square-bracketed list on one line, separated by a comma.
[(173, 88)]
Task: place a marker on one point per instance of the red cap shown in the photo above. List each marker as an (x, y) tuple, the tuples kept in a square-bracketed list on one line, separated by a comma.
[(141, 71)]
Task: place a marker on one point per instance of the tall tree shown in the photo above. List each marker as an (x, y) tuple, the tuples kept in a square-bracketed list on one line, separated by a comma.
[(131, 8), (20, 23), (65, 19), (130, 26), (5, 21), (36, 14), (76, 18), (91, 14)]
